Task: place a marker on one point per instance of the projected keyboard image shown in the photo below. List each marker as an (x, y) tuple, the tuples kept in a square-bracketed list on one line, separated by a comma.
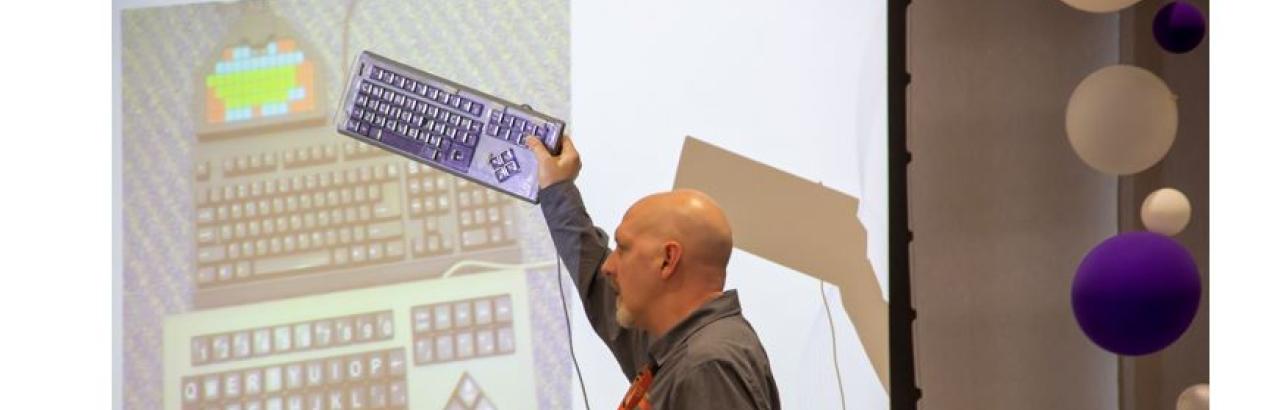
[(445, 125), (304, 213), (455, 342)]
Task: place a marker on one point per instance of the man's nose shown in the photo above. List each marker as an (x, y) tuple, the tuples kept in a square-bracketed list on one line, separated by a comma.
[(608, 266)]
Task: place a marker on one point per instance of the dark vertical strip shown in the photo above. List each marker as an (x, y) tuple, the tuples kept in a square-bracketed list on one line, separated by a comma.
[(902, 370)]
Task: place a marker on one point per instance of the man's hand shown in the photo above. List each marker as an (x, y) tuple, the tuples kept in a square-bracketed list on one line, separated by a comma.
[(553, 169)]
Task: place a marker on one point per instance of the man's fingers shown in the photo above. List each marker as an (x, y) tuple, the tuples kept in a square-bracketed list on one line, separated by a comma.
[(536, 146)]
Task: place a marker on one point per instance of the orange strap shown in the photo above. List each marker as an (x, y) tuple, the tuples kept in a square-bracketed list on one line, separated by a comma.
[(638, 395)]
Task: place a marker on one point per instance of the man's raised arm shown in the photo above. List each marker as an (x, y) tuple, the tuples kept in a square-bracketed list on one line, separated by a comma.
[(583, 247)]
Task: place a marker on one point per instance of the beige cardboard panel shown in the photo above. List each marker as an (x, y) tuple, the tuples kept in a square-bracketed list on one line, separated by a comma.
[(798, 224)]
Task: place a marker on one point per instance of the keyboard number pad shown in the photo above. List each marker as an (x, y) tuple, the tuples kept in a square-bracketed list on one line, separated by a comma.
[(512, 128), (462, 330)]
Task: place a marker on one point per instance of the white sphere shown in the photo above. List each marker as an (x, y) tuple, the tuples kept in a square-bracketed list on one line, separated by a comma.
[(1194, 398), (1166, 211), (1100, 6), (1121, 119)]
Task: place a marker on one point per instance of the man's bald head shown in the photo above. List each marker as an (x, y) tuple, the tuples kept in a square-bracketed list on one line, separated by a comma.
[(691, 218)]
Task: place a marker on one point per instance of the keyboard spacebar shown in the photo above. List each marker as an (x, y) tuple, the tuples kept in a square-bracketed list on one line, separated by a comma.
[(282, 264)]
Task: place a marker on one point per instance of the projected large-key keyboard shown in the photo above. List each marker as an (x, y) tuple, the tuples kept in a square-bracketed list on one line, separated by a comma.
[(445, 125), (463, 341)]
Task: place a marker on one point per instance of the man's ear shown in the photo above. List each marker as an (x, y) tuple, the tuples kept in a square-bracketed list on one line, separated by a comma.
[(671, 254)]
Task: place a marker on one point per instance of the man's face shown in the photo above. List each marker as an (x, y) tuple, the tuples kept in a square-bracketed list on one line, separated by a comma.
[(634, 269)]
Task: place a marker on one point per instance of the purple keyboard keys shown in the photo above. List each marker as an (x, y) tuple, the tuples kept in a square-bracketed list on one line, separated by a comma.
[(439, 123)]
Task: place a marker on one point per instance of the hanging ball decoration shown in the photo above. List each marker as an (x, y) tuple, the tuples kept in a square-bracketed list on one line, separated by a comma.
[(1166, 211), (1135, 293), (1195, 397), (1121, 119), (1178, 27), (1099, 6)]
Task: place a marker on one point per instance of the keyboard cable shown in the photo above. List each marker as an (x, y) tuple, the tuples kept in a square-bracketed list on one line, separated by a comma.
[(564, 303), (835, 358), (346, 29)]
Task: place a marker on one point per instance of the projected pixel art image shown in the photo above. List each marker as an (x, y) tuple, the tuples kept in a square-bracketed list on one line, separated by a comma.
[(250, 83)]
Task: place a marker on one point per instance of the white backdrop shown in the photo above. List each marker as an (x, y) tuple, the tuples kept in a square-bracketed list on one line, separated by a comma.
[(799, 86)]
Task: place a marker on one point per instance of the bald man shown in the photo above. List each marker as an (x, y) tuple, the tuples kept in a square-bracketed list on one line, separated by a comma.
[(658, 300)]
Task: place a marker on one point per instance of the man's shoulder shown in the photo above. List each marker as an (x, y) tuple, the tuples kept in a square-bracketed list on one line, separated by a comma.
[(723, 361), (729, 340)]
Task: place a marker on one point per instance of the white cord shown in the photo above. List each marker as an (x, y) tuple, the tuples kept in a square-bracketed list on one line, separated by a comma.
[(565, 304), (835, 357), (493, 265)]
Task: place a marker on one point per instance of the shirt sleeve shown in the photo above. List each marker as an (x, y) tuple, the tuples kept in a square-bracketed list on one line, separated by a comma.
[(714, 385), (583, 247)]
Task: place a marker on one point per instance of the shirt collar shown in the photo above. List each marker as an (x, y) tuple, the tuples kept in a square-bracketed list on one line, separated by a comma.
[(715, 309)]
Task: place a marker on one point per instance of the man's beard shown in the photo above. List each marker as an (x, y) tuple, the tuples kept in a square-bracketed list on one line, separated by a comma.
[(625, 318)]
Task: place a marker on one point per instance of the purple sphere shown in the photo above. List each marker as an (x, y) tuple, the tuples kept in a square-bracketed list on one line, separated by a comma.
[(1136, 292), (1178, 27)]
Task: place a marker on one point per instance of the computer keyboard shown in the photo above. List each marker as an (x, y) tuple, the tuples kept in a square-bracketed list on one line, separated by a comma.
[(429, 344), (445, 125), (307, 211)]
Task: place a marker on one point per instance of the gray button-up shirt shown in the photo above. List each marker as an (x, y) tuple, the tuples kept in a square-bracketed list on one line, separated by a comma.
[(710, 360)]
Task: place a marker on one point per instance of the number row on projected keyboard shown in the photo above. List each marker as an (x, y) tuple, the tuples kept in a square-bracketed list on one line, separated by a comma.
[(293, 337)]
